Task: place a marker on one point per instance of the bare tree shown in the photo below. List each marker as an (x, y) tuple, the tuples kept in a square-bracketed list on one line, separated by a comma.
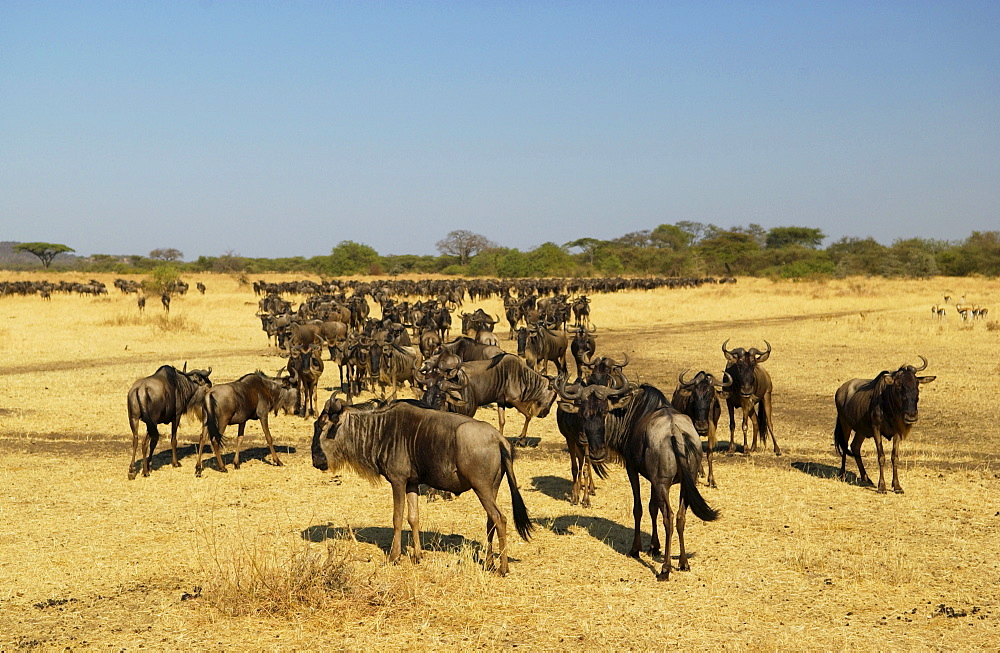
[(464, 244)]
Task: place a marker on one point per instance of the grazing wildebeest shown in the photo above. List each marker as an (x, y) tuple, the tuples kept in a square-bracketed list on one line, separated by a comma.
[(408, 445), (305, 367), (505, 380), (699, 400), (162, 399), (581, 310), (580, 415), (884, 406), (653, 440), (251, 397), (750, 389)]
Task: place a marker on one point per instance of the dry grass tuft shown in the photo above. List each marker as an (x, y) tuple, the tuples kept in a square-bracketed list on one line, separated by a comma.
[(163, 322), (993, 326)]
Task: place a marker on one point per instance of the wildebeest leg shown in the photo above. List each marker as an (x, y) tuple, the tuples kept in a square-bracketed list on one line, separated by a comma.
[(842, 429), (239, 444), (412, 501), (173, 443), (711, 451), (398, 504), (881, 461), (654, 509), (682, 563), (749, 421), (766, 424), (574, 459), (668, 527), (132, 469), (896, 487), (856, 452), (633, 479), (270, 441), (732, 428), (500, 418), (523, 440), (495, 522)]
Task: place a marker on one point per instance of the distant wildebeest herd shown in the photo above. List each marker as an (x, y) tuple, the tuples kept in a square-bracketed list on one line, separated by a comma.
[(434, 439)]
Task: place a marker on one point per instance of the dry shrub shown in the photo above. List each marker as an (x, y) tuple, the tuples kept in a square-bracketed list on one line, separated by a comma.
[(163, 322), (993, 326)]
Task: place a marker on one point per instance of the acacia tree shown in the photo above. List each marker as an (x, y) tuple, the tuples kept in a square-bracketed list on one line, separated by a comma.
[(169, 254), (44, 251), (464, 244)]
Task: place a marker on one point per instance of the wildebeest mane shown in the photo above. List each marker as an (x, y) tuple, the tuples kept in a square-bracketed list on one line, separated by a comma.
[(624, 421)]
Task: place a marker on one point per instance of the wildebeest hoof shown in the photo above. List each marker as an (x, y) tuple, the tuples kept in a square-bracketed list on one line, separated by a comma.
[(175, 464), (279, 463), (684, 567), (634, 554), (880, 490), (663, 575), (897, 490), (655, 552)]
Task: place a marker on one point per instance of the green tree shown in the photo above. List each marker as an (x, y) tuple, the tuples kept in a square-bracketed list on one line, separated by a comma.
[(668, 236), (734, 249), (860, 256), (161, 280), (549, 259), (169, 254), (779, 237), (349, 257), (589, 246), (697, 231), (44, 251)]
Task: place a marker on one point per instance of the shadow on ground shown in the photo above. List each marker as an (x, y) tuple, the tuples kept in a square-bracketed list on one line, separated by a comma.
[(820, 470)]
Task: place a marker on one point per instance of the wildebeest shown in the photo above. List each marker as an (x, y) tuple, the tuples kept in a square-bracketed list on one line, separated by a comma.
[(141, 302), (539, 345), (699, 400), (201, 287), (165, 300), (582, 347), (251, 397), (505, 380), (305, 367), (469, 350), (163, 398), (408, 445), (884, 406), (580, 415), (651, 439), (751, 391)]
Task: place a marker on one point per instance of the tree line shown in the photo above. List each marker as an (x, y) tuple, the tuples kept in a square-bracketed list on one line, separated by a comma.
[(683, 249)]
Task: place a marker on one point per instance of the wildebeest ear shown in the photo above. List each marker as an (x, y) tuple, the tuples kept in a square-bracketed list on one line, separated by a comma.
[(568, 407), (925, 379)]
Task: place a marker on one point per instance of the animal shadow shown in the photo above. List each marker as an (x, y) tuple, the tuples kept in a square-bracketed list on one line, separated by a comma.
[(381, 537), (820, 470), (164, 458), (262, 454), (554, 487), (613, 534), (529, 442)]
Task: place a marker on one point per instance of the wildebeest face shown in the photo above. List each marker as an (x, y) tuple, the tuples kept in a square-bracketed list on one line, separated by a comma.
[(522, 341), (325, 429), (905, 390)]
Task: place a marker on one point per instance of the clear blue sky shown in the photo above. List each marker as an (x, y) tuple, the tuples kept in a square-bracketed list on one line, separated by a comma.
[(274, 129)]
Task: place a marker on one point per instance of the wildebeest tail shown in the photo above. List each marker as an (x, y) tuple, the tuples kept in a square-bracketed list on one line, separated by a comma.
[(687, 460), (521, 519), (601, 469), (211, 422), (840, 438)]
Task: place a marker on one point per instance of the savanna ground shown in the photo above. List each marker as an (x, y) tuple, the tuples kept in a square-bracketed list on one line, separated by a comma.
[(291, 558)]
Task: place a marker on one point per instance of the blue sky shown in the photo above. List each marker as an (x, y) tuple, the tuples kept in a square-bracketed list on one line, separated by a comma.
[(273, 129)]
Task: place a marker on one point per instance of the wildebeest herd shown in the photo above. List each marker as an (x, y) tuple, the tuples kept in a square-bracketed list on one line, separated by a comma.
[(434, 440)]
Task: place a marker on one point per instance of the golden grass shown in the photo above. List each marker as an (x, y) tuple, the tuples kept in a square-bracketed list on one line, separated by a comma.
[(269, 558)]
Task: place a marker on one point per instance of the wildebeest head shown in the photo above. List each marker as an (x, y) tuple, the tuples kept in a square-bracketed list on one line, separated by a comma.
[(591, 403), (606, 371), (522, 340), (325, 427), (741, 364), (903, 389), (702, 391)]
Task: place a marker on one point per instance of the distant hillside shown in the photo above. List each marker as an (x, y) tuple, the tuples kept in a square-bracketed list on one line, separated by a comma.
[(23, 261)]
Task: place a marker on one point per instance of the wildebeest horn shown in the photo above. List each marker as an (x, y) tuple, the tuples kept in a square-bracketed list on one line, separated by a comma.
[(185, 369), (725, 351), (562, 391), (727, 380), (922, 367), (625, 364), (761, 357), (680, 379), (604, 392)]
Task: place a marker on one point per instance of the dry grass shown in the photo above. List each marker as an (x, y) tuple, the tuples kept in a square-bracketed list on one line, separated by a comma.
[(289, 558)]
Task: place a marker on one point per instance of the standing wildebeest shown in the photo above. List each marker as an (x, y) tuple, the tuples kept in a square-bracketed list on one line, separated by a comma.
[(162, 399), (580, 415), (252, 396), (141, 302), (699, 400), (408, 445), (165, 300), (505, 380), (305, 366), (651, 439), (750, 389), (583, 347), (540, 344), (884, 406), (201, 287)]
